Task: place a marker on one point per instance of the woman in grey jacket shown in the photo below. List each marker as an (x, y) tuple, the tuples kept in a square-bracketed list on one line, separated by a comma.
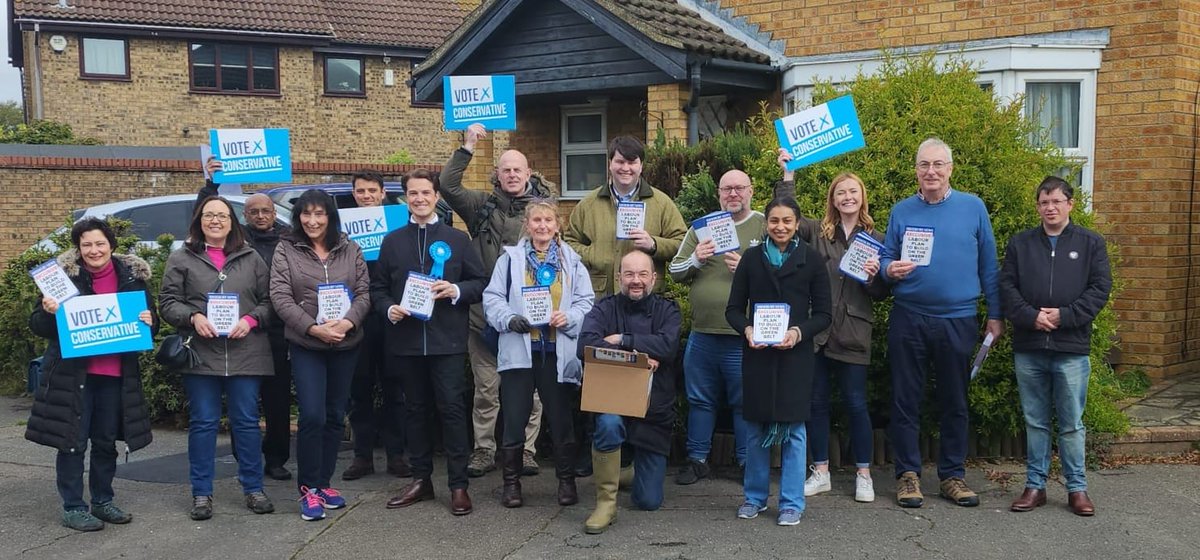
[(319, 287), (538, 349), (214, 291)]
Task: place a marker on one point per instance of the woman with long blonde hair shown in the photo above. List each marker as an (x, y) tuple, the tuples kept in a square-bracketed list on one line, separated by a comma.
[(844, 350)]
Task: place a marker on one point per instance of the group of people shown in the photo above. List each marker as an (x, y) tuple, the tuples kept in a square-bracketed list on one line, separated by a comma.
[(603, 291)]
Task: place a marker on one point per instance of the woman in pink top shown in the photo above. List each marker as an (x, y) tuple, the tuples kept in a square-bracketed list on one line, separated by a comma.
[(217, 266), (97, 398)]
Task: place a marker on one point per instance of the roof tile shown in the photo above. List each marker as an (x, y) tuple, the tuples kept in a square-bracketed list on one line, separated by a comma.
[(401, 23)]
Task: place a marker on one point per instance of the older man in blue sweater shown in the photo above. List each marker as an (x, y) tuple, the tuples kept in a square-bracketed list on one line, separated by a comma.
[(940, 254)]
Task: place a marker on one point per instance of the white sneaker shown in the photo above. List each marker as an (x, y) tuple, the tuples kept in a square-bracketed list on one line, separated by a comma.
[(864, 490), (817, 483)]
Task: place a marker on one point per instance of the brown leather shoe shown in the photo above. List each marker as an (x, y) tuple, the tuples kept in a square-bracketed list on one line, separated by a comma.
[(460, 502), (398, 467), (1080, 504), (360, 467), (418, 490), (1031, 498)]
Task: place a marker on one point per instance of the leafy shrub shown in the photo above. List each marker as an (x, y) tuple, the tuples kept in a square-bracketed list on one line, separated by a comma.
[(43, 132), (401, 157), (906, 101)]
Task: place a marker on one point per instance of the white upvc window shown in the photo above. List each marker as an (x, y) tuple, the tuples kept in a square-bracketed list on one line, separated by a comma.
[(1056, 74), (584, 162)]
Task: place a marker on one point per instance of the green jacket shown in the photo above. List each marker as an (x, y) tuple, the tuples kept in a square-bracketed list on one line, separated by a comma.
[(493, 227), (592, 232)]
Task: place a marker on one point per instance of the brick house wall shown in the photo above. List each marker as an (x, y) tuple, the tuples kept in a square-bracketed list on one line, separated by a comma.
[(155, 106), (1146, 89)]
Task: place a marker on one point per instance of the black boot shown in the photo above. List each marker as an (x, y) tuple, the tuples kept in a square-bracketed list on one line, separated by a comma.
[(564, 469), (510, 460)]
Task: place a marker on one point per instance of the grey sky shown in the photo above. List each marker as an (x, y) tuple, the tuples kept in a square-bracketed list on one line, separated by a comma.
[(10, 78)]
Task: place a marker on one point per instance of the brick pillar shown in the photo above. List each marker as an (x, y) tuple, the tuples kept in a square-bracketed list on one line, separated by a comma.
[(665, 102)]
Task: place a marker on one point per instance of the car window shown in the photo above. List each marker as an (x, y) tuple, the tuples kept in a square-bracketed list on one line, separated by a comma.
[(151, 221)]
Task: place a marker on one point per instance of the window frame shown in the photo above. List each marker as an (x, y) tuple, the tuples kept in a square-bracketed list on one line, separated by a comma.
[(566, 149), (85, 75), (252, 91), (1007, 67), (362, 76)]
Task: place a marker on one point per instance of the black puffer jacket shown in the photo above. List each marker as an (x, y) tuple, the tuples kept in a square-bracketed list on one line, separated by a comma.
[(58, 401)]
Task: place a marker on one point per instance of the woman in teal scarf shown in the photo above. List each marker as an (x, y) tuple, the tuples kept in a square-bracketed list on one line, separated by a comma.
[(777, 374)]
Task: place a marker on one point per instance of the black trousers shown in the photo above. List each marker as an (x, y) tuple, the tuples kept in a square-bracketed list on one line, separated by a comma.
[(368, 423), (516, 402), (441, 382), (276, 394)]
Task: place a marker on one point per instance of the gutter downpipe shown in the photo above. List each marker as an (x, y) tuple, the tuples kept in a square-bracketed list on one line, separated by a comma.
[(38, 113), (693, 119)]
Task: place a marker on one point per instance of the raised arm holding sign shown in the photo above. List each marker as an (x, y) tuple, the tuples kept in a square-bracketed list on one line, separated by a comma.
[(816, 134)]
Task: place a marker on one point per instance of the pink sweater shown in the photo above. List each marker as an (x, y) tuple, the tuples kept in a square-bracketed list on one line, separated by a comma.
[(104, 281)]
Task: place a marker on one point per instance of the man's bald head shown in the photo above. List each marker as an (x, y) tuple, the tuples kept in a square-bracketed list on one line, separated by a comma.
[(513, 172), (734, 192), (259, 212)]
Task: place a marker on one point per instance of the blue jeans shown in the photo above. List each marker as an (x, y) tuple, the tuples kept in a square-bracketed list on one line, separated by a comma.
[(1053, 383), (712, 367), (322, 380), (914, 342), (100, 422), (204, 412), (853, 380), (757, 482), (649, 468)]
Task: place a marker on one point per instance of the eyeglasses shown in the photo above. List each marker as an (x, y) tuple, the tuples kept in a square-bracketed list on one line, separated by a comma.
[(214, 216), (740, 189), (260, 211), (644, 275), (1056, 202), (936, 165)]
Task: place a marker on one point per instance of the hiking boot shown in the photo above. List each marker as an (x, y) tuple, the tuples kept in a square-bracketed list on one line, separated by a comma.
[(482, 462), (258, 502), (110, 513), (908, 490), (81, 520), (864, 489), (749, 510), (202, 508), (955, 489), (817, 482), (529, 464), (360, 467), (692, 472)]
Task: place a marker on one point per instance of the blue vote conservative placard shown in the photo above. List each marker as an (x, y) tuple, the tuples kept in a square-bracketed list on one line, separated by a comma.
[(252, 155), (490, 100), (816, 134), (103, 324), (368, 226)]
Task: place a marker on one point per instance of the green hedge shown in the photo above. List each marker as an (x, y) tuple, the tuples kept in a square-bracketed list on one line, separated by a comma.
[(996, 156)]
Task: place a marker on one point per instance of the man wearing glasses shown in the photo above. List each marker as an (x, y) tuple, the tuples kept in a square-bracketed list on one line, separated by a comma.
[(1055, 281), (939, 255), (712, 361), (636, 319)]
